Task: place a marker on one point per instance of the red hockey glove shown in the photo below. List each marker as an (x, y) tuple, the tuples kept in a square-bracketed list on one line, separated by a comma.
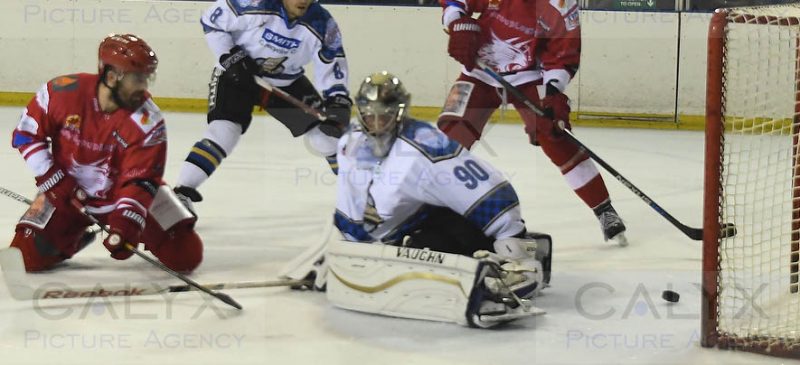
[(126, 226), (58, 187), (555, 106), (464, 41)]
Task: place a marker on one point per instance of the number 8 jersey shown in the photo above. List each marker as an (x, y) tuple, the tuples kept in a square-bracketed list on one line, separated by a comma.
[(385, 199)]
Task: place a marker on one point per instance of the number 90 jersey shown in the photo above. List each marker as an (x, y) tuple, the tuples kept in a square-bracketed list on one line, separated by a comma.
[(385, 199)]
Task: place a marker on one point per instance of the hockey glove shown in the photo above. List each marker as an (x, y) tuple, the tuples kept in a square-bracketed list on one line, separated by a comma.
[(555, 106), (239, 69), (464, 41), (126, 226), (59, 187), (338, 110)]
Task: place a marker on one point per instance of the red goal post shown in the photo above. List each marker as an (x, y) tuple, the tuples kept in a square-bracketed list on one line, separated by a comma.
[(752, 179)]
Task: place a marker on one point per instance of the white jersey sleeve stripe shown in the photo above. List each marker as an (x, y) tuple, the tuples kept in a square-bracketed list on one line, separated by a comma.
[(43, 98), (39, 162)]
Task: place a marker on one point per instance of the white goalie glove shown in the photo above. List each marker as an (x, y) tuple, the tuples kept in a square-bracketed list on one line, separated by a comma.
[(522, 269), (511, 278)]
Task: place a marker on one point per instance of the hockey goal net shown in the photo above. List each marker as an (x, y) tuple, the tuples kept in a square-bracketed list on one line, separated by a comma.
[(752, 179)]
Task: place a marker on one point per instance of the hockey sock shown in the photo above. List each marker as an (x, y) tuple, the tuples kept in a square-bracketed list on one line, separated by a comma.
[(220, 139), (587, 183)]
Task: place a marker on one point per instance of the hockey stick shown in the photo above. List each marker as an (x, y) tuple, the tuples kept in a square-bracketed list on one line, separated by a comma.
[(727, 229), (13, 269), (221, 296), (291, 99)]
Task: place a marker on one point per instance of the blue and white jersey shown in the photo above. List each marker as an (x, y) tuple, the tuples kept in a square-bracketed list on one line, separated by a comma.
[(385, 199), (282, 47)]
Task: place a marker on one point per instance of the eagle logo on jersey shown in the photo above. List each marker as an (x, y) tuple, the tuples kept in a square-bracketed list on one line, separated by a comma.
[(92, 177), (506, 55), (372, 219), (272, 65)]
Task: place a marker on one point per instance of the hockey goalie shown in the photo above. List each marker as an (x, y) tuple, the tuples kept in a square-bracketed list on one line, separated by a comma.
[(429, 230)]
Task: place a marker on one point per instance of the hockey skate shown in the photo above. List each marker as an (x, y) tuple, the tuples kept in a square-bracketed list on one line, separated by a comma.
[(611, 224), (188, 196)]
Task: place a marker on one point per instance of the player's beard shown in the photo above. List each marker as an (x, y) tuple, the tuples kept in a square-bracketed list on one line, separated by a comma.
[(130, 101)]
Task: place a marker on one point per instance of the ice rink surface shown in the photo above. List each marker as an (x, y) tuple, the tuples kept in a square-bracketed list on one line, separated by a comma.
[(272, 198)]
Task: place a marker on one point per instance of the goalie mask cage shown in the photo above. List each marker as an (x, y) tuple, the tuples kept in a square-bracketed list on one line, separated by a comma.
[(752, 179)]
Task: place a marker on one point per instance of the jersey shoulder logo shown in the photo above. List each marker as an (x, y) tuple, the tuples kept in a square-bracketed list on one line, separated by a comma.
[(564, 6), (147, 116), (433, 144), (156, 136), (64, 83)]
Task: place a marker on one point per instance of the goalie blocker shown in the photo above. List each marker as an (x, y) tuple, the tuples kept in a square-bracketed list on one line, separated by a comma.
[(431, 285)]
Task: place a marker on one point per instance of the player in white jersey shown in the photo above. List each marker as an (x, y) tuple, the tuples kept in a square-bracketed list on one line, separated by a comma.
[(272, 39), (404, 183)]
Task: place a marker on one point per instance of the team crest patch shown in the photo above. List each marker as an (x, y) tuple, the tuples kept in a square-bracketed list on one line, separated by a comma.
[(156, 136), (572, 20), (333, 36), (64, 83), (494, 4), (272, 65), (73, 121)]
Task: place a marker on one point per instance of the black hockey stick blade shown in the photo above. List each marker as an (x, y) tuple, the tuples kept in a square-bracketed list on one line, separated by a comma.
[(221, 296)]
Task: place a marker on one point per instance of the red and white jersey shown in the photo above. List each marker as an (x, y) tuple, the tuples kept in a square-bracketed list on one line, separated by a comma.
[(525, 40), (105, 152)]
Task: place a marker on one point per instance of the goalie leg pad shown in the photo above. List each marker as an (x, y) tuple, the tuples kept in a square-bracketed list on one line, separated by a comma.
[(415, 283)]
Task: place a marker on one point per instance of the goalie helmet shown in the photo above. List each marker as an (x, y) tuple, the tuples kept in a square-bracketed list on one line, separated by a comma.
[(127, 53), (382, 104)]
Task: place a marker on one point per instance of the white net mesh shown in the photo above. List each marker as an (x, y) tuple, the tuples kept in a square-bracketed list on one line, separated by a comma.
[(760, 162)]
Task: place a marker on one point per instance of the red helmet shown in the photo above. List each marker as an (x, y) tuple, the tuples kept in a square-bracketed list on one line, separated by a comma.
[(127, 53)]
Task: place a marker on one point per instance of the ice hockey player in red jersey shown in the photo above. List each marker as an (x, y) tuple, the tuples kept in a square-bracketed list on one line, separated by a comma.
[(535, 45), (98, 141)]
